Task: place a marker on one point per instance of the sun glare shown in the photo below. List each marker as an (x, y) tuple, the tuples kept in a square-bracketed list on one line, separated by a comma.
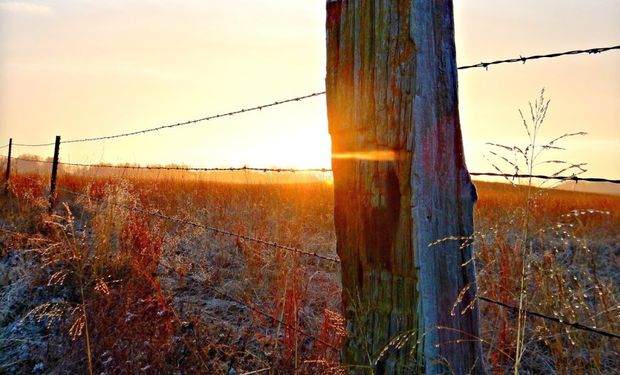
[(307, 150), (376, 155)]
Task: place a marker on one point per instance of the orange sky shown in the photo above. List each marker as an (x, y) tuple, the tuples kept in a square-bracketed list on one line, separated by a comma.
[(90, 68)]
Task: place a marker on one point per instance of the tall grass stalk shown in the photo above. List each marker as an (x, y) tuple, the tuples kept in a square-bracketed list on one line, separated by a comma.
[(538, 115), (89, 355), (526, 158)]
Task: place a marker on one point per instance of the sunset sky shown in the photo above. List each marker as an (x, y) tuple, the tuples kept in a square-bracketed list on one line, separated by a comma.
[(84, 68)]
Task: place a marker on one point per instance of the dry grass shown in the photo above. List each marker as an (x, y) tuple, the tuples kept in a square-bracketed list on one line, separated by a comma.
[(151, 300), (573, 241), (147, 291)]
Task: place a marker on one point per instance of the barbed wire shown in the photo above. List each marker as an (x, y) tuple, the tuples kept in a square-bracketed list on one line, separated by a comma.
[(522, 59), (198, 225), (34, 144), (4, 146), (324, 170), (551, 318), (545, 177), (30, 160), (206, 227), (181, 168), (484, 65), (184, 123)]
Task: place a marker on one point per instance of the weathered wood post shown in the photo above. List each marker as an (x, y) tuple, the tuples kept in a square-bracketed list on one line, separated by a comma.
[(52, 197), (401, 183), (8, 167)]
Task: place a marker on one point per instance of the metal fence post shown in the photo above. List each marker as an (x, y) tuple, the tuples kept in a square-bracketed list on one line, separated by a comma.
[(52, 197), (8, 167)]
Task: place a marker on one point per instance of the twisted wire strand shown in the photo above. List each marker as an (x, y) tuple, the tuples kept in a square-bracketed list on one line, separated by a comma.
[(545, 177), (184, 123), (181, 168), (485, 65), (209, 228), (324, 170), (523, 59), (553, 319)]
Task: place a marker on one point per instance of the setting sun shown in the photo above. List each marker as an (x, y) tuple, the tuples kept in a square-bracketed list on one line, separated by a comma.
[(296, 149)]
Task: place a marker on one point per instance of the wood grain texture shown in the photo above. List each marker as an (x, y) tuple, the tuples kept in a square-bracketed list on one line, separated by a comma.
[(400, 183)]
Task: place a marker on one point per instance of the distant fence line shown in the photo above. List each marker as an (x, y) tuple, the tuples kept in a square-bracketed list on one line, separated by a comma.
[(574, 178)]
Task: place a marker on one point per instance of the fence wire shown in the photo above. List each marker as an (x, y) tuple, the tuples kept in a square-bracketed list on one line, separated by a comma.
[(523, 60), (576, 325), (485, 65), (184, 123), (181, 168), (324, 170), (273, 244), (545, 177)]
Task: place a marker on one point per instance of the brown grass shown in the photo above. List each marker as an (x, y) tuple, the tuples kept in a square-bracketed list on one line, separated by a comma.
[(150, 286)]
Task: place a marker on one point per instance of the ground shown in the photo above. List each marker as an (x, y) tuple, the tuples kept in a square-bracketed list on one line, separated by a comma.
[(107, 284)]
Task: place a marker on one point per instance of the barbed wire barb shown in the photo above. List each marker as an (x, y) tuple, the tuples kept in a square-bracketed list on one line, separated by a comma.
[(523, 59)]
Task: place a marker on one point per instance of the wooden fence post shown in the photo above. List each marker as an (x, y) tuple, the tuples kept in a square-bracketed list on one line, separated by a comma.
[(400, 184), (8, 167), (52, 197)]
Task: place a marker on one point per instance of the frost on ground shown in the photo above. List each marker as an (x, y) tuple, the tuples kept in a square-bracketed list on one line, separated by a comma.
[(163, 297), (27, 345), (123, 293)]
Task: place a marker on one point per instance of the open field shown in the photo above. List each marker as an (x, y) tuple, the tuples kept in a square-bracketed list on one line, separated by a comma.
[(107, 284)]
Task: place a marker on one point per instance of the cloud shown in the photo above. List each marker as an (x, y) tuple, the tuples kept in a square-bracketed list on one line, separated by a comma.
[(24, 7)]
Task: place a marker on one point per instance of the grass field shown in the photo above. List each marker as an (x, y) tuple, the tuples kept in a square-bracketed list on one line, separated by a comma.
[(100, 286)]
